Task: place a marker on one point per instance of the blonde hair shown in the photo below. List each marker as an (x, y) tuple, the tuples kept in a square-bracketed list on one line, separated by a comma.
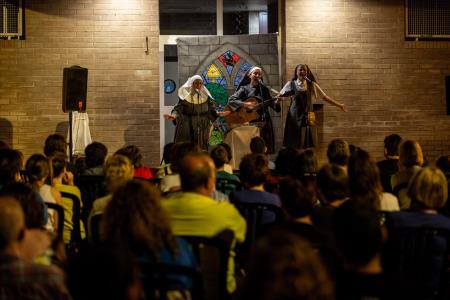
[(429, 187), (118, 170)]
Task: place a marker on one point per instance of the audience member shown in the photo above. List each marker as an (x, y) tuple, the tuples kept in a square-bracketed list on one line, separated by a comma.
[(359, 239), (61, 175), (38, 172), (220, 157), (100, 271), (167, 159), (11, 162), (134, 218), (389, 166), (135, 156), (283, 266), (365, 184), (194, 213), (338, 153), (307, 166), (18, 278), (54, 144), (4, 145), (95, 154), (227, 167), (254, 171), (258, 146), (119, 171), (333, 189), (443, 163), (411, 161), (284, 162)]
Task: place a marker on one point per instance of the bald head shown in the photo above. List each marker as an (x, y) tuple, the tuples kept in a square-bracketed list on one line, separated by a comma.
[(12, 221), (197, 173)]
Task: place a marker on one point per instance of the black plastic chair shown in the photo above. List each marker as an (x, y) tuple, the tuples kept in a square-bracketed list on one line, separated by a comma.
[(158, 281), (419, 258), (59, 210), (91, 188), (94, 228), (75, 235), (226, 185), (212, 256)]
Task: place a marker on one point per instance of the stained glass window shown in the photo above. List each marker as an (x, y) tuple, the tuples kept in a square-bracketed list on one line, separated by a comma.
[(220, 96), (212, 74), (240, 74), (229, 60)]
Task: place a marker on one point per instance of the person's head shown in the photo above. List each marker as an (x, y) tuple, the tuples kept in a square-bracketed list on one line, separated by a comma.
[(28, 199), (220, 156), (180, 150), (197, 173), (11, 162), (118, 170), (443, 163), (4, 145), (306, 164), (254, 169), (296, 200), (197, 84), (101, 271), (55, 143), (411, 154), (284, 266), (133, 153), (12, 222), (255, 73), (37, 168), (258, 145), (95, 154), (284, 161), (135, 218), (332, 183), (364, 178), (391, 144), (302, 71), (338, 152), (358, 233), (59, 165), (429, 188)]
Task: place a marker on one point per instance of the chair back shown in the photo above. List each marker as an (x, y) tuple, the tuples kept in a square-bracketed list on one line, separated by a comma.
[(258, 216), (94, 228), (59, 210), (419, 257), (75, 235), (159, 284), (212, 254), (226, 185), (91, 188)]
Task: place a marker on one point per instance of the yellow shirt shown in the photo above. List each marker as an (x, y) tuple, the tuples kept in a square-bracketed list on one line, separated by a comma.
[(67, 204), (198, 215)]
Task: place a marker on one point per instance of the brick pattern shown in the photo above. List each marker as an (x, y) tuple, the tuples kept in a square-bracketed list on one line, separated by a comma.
[(108, 38), (358, 52)]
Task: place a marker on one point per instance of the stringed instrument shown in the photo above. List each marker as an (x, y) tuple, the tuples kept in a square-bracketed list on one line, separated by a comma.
[(244, 115)]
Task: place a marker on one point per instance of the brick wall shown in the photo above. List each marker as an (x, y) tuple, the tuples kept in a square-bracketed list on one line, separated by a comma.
[(108, 38), (357, 50)]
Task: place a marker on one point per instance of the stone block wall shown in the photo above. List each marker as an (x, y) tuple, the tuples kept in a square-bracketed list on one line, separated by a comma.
[(108, 38), (358, 52), (196, 53)]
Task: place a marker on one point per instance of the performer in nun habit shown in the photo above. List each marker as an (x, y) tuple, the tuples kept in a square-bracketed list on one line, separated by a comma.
[(193, 113), (303, 87), (250, 86)]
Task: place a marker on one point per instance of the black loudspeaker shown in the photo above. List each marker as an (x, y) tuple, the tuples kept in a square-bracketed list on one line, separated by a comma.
[(447, 93), (74, 89)]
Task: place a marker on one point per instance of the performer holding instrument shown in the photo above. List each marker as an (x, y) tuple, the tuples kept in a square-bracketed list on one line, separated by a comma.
[(250, 103), (300, 131)]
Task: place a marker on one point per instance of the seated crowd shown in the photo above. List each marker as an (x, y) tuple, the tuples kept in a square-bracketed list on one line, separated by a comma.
[(110, 227)]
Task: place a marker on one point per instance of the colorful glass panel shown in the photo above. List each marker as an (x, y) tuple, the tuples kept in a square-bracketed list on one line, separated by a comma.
[(229, 60), (212, 74), (241, 73)]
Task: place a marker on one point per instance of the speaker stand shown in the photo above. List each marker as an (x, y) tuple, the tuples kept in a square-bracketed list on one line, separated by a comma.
[(70, 135)]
